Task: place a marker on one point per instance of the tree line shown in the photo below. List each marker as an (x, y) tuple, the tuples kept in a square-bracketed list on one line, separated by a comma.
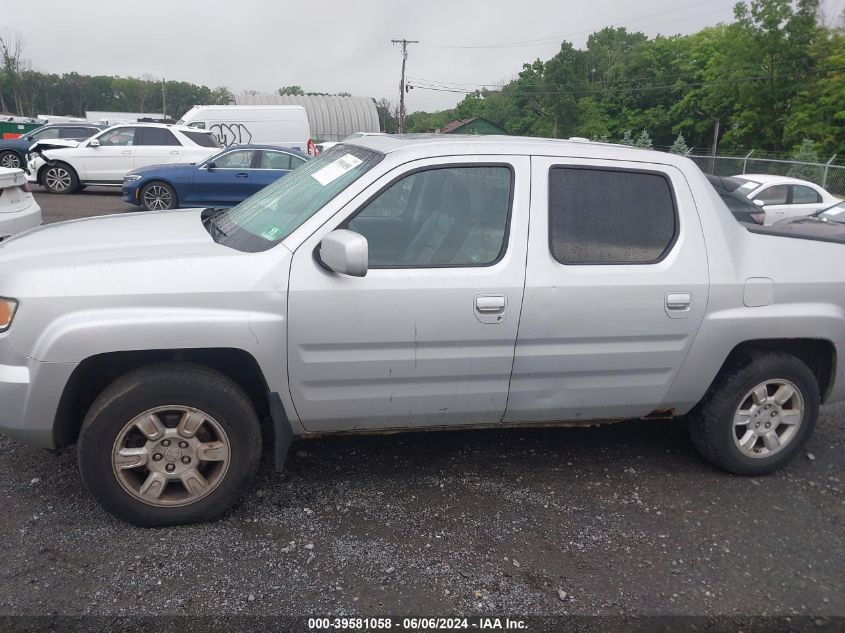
[(771, 78), (28, 92)]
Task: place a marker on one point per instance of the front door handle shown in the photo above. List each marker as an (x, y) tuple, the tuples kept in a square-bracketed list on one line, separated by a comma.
[(126, 151), (490, 304), (242, 175), (490, 308)]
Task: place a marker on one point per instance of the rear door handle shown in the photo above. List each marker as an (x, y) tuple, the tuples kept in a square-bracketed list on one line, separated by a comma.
[(126, 151), (175, 151), (678, 304), (242, 176)]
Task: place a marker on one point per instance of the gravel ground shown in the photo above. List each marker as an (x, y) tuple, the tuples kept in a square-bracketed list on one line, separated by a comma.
[(616, 520)]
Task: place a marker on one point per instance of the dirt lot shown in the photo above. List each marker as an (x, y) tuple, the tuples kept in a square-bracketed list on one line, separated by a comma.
[(623, 519)]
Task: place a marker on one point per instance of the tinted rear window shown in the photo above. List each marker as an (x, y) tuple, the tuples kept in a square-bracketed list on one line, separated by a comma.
[(601, 216), (156, 136), (205, 139)]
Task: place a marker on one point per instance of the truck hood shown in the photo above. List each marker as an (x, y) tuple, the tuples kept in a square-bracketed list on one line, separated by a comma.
[(111, 238)]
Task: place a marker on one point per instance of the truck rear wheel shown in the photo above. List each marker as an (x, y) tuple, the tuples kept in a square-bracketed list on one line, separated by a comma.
[(168, 444), (757, 415)]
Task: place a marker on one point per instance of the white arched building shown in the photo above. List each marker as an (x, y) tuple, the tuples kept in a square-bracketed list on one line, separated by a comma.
[(331, 118)]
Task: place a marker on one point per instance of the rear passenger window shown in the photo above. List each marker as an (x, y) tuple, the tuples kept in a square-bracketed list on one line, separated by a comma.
[(156, 136), (274, 160), (602, 216), (448, 216), (804, 195)]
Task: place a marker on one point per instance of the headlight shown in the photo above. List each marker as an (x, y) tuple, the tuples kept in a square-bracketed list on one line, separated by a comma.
[(131, 178), (7, 313)]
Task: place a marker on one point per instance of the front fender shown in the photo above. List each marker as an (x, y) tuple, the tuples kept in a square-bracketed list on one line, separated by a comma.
[(75, 336)]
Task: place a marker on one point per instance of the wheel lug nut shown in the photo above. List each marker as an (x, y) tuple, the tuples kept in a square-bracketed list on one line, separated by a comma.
[(768, 425), (186, 459), (170, 468), (165, 442), (774, 414), (157, 457), (183, 444)]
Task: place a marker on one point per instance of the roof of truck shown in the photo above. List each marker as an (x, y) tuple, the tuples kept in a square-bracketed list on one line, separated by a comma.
[(519, 145)]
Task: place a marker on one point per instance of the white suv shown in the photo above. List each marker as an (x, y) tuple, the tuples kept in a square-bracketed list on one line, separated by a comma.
[(63, 166)]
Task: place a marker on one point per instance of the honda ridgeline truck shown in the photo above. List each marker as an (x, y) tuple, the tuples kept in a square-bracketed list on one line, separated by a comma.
[(413, 283)]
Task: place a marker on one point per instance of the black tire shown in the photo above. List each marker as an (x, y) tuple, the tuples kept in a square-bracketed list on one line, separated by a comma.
[(159, 385), (12, 159), (711, 423), (158, 196), (58, 178)]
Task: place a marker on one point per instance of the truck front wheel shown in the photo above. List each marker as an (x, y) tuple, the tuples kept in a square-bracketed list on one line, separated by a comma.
[(757, 415), (168, 444)]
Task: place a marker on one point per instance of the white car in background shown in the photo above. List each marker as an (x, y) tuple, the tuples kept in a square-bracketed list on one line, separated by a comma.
[(103, 160), (18, 209), (783, 197)]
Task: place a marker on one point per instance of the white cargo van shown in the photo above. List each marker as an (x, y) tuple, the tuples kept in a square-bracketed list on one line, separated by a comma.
[(283, 125)]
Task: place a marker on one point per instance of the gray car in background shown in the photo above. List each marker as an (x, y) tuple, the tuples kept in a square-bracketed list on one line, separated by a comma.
[(394, 284)]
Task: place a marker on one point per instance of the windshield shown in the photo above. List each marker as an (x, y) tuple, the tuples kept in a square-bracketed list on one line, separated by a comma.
[(834, 214), (262, 221)]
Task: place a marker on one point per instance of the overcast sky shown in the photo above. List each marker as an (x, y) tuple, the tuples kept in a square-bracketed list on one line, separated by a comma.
[(330, 45)]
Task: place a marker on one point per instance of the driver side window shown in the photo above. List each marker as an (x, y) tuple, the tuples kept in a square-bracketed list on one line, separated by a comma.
[(118, 137), (775, 194), (440, 217), (241, 159)]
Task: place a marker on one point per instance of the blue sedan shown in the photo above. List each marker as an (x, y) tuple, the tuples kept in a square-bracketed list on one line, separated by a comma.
[(223, 180)]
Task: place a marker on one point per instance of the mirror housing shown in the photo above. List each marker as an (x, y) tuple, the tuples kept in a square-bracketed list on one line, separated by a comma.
[(345, 252), (93, 143), (209, 165), (759, 203)]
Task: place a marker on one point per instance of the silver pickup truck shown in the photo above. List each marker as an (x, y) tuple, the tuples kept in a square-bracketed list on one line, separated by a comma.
[(413, 283)]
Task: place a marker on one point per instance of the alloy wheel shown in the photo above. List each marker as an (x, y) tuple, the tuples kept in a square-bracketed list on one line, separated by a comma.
[(157, 198), (768, 418), (10, 160), (171, 456), (57, 179)]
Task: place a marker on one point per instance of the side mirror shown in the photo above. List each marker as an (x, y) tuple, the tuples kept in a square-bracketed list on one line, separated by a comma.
[(93, 143), (345, 252), (759, 203), (210, 165)]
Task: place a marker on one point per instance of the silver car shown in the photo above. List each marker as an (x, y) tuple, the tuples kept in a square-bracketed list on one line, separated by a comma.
[(404, 283)]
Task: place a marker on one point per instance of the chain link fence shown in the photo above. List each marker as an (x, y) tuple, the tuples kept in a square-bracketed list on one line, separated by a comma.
[(829, 175)]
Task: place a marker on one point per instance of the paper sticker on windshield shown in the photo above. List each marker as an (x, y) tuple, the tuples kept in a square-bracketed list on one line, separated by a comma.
[(271, 233), (336, 169)]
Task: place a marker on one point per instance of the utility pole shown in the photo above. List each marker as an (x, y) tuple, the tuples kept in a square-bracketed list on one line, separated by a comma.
[(163, 99), (404, 44)]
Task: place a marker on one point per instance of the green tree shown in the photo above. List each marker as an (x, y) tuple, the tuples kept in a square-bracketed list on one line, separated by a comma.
[(679, 146), (627, 139), (804, 155), (296, 91), (643, 140)]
